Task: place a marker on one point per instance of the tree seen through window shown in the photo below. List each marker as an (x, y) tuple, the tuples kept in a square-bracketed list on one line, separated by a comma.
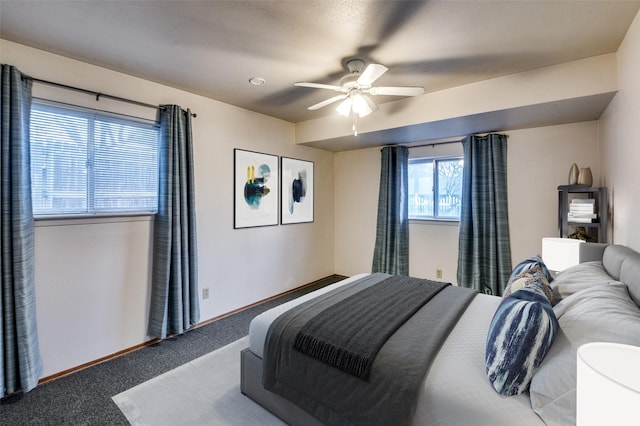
[(435, 188)]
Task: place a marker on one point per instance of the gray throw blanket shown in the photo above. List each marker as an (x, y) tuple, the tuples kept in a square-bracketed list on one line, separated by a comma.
[(349, 334), (337, 398)]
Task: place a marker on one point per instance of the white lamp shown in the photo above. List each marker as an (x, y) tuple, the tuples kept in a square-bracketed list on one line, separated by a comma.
[(608, 384), (560, 253)]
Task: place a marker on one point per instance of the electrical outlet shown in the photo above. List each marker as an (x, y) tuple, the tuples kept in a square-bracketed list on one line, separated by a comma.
[(205, 293), (438, 273)]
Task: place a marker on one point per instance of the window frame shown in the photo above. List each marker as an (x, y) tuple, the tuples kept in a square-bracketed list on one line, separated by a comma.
[(111, 117), (436, 218)]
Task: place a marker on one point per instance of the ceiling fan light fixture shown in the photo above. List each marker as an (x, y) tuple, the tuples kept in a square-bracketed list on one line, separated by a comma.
[(345, 107), (363, 105), (359, 105), (356, 103)]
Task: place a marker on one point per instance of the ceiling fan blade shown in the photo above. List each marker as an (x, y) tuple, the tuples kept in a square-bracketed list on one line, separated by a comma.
[(326, 102), (319, 86), (371, 74), (396, 91)]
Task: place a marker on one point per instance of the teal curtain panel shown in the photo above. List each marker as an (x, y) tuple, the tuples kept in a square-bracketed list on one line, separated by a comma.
[(391, 252), (174, 295), (20, 362), (484, 248)]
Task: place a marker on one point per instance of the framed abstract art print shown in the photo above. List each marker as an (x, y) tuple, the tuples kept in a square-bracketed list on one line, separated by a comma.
[(255, 189), (297, 191)]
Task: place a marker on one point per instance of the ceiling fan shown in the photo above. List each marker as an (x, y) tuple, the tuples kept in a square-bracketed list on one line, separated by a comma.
[(356, 87)]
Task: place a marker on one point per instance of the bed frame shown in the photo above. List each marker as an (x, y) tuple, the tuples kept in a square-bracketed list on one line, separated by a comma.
[(621, 263), (251, 386)]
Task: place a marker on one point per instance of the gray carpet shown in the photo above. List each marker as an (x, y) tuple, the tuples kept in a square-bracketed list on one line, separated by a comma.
[(84, 398), (205, 391)]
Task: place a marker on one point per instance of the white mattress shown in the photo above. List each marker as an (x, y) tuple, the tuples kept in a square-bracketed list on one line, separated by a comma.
[(456, 391)]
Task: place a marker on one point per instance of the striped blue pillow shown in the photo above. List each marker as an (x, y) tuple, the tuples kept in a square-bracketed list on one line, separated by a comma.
[(534, 276), (521, 333), (529, 263)]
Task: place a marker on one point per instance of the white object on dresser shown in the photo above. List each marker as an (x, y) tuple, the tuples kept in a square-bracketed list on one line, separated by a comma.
[(560, 253), (608, 384)]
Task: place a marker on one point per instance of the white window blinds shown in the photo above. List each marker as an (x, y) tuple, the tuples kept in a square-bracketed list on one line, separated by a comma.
[(88, 162)]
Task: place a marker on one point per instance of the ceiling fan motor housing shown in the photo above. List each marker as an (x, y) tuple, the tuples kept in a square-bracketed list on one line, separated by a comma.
[(355, 67)]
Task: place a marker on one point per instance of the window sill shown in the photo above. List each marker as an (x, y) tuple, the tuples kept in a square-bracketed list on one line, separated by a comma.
[(445, 222), (84, 219)]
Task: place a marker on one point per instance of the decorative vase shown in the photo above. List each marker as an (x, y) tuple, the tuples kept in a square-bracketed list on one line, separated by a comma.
[(573, 174), (585, 177)]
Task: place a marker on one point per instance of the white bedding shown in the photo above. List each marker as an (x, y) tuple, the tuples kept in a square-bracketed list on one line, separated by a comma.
[(456, 390)]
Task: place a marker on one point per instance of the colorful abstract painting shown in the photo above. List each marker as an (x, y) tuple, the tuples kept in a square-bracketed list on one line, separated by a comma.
[(255, 189), (297, 191)]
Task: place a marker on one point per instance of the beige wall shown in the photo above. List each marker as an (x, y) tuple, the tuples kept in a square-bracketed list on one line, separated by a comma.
[(620, 144), (357, 181), (538, 161), (93, 276)]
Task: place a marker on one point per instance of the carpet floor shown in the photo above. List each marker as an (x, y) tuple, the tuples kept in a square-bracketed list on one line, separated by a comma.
[(84, 398)]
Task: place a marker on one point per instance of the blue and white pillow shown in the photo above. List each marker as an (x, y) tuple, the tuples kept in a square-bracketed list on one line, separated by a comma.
[(529, 263), (534, 275), (522, 331)]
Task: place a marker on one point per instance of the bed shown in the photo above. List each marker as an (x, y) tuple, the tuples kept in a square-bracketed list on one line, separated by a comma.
[(593, 301)]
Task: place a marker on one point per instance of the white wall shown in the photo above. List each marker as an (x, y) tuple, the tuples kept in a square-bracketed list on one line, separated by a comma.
[(357, 181), (92, 288), (93, 276), (538, 161), (620, 149)]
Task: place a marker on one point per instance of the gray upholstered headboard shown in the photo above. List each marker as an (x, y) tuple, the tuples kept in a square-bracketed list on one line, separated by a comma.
[(623, 264)]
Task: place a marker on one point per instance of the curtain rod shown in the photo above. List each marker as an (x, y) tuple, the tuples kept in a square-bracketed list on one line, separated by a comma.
[(433, 144), (445, 142), (99, 95)]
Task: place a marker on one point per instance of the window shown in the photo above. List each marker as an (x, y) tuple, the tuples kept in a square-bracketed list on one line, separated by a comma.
[(435, 188), (88, 162)]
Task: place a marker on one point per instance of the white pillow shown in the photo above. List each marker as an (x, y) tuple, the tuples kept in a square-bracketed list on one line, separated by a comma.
[(579, 277), (602, 313)]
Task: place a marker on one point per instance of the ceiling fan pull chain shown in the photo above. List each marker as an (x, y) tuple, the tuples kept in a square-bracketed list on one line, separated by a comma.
[(354, 116)]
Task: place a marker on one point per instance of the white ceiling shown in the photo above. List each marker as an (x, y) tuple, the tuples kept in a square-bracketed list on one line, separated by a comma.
[(214, 47)]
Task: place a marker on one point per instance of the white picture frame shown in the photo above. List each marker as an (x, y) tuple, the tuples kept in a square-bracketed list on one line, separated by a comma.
[(255, 189), (297, 191)]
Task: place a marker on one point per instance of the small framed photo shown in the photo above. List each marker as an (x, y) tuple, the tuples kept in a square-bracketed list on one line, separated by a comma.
[(255, 189), (297, 191)]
